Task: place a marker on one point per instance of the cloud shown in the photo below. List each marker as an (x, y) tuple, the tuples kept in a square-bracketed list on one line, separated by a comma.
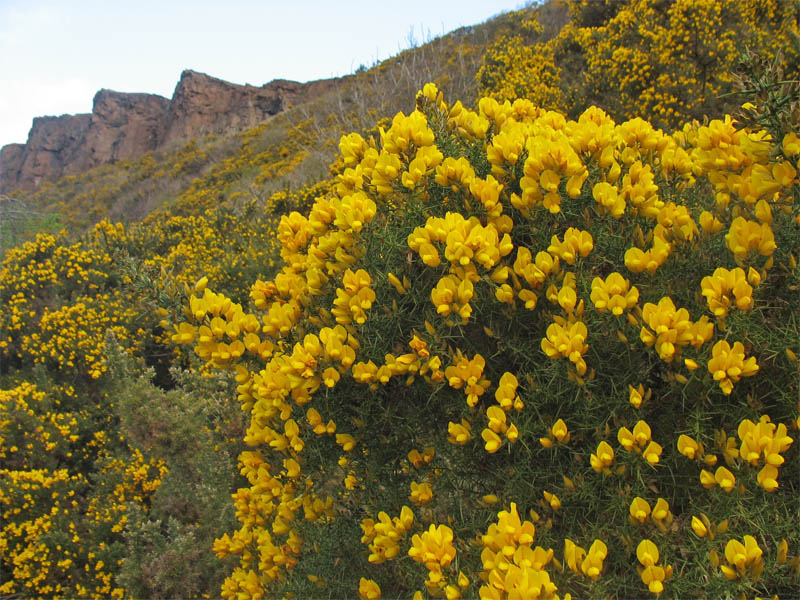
[(24, 22)]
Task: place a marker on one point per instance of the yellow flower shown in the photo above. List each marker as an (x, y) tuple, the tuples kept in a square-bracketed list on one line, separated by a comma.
[(689, 447), (718, 288), (707, 479), (512, 433), (330, 376), (459, 434), (557, 433), (653, 577), (790, 144), (661, 512), (608, 197), (346, 441), (353, 298), (592, 564), (421, 493), (467, 373), (625, 438), (576, 243), (292, 468), (637, 395), (573, 555), (746, 236), (567, 339), (614, 294), (434, 548), (396, 283), (709, 222), (493, 441), (641, 433), (783, 549), (671, 328), (603, 458), (552, 500), (560, 432), (768, 478), (699, 527), (490, 499), (506, 394), (639, 510), (201, 284), (647, 553), (744, 559), (368, 589), (725, 479), (497, 419), (652, 454)]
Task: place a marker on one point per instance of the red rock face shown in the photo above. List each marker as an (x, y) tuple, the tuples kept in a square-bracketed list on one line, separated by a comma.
[(123, 126)]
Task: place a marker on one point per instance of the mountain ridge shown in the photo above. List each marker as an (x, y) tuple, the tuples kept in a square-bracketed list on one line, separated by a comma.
[(126, 125)]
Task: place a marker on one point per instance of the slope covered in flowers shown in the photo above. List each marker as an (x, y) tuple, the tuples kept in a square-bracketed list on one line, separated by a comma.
[(667, 61)]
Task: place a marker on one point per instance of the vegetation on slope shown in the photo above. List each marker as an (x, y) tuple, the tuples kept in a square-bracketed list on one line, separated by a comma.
[(668, 61), (487, 349), (287, 152)]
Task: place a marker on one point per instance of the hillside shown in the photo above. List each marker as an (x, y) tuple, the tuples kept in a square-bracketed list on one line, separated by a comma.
[(510, 315), (291, 148)]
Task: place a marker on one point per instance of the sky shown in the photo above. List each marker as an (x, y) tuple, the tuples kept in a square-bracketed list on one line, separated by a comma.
[(56, 54)]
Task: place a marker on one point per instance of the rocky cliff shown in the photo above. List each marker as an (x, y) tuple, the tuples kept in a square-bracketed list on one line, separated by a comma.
[(123, 126)]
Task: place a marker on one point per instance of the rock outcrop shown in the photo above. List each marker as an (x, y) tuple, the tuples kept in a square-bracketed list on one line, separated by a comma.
[(123, 126)]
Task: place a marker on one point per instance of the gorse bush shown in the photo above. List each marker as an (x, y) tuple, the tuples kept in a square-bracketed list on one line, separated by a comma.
[(93, 490), (517, 355), (196, 430)]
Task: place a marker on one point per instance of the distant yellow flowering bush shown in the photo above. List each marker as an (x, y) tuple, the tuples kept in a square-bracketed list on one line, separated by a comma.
[(72, 476), (60, 533), (669, 60)]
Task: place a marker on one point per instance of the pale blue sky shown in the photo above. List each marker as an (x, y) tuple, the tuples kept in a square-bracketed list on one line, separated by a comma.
[(55, 54)]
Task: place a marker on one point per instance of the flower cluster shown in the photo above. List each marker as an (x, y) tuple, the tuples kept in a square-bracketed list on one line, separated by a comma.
[(614, 294), (434, 549), (744, 559), (717, 289), (652, 574), (588, 563), (639, 441), (728, 364), (567, 339), (764, 443), (512, 567), (671, 328), (468, 373), (382, 536), (640, 512)]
